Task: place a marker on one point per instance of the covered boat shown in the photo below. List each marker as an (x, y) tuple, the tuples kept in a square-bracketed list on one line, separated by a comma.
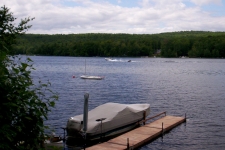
[(106, 120)]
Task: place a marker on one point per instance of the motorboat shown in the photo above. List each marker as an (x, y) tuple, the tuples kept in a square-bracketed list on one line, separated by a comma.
[(91, 77), (105, 121), (108, 59), (116, 60), (111, 59)]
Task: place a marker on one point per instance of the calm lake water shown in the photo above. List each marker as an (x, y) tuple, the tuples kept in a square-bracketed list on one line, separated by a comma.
[(178, 86)]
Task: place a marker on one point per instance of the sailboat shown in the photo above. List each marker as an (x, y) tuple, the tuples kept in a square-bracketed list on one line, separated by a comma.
[(90, 77)]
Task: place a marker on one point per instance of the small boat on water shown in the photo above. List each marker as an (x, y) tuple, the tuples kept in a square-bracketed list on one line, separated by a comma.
[(117, 60), (106, 120), (108, 59), (91, 77)]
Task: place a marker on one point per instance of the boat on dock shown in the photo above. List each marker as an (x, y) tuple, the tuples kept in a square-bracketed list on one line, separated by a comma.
[(107, 120)]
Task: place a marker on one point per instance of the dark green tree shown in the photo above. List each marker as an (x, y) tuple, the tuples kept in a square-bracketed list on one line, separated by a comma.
[(23, 105)]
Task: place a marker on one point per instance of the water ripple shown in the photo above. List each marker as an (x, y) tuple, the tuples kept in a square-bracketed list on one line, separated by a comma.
[(178, 86)]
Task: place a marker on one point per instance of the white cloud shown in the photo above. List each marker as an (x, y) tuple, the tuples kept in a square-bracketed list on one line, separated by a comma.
[(204, 2), (144, 3), (150, 16)]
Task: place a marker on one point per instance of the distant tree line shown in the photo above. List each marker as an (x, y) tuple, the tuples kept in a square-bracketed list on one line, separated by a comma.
[(174, 44)]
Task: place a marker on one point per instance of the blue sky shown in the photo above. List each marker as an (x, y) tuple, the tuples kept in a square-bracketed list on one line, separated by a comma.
[(120, 16)]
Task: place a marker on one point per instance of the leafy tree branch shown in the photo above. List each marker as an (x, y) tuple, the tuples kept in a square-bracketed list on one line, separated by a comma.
[(23, 105)]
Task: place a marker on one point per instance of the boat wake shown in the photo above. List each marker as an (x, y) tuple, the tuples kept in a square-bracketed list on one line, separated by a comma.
[(117, 60)]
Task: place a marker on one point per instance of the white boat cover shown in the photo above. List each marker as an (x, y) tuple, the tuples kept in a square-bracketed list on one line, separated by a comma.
[(117, 115)]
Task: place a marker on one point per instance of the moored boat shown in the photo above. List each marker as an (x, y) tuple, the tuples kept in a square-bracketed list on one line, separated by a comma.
[(91, 77), (106, 120)]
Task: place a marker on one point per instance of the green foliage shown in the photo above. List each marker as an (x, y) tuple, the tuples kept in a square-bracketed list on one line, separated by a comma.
[(175, 44), (9, 31), (87, 45), (24, 106)]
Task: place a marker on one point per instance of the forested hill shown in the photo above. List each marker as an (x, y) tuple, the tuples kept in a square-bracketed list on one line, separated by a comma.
[(173, 44)]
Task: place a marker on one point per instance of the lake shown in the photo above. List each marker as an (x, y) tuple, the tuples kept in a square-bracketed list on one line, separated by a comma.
[(180, 86)]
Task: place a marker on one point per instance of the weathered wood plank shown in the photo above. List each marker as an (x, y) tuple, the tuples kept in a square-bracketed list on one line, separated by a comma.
[(141, 135)]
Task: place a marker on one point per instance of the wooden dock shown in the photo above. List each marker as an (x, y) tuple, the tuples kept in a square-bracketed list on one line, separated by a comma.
[(140, 136)]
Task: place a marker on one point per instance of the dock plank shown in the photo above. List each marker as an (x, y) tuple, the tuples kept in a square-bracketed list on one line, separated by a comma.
[(141, 135)]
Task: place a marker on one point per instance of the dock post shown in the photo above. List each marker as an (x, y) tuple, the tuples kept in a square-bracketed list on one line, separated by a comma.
[(144, 117), (128, 145), (162, 129), (85, 116), (64, 137)]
